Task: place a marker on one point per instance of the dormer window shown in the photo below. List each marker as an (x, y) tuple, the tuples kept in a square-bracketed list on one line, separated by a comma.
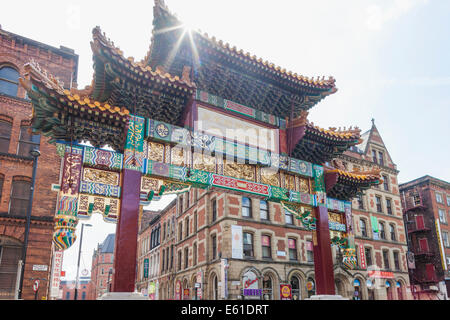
[(9, 81), (380, 158)]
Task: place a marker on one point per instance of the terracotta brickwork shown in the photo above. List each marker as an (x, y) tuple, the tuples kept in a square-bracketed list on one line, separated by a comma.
[(15, 52)]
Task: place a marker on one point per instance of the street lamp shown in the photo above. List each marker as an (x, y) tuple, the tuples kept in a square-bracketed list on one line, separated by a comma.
[(79, 255), (35, 153)]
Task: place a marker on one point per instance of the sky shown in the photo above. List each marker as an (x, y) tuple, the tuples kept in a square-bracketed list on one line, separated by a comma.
[(389, 58)]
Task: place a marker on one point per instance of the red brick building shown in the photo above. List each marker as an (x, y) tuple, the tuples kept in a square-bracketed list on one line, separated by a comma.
[(380, 236), (68, 290), (212, 244), (426, 204), (16, 140), (156, 250), (102, 267)]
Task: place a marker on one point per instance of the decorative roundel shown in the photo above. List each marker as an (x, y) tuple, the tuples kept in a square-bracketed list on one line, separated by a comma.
[(162, 130), (303, 167)]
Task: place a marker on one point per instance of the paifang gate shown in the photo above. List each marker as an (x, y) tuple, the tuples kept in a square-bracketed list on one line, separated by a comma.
[(194, 113)]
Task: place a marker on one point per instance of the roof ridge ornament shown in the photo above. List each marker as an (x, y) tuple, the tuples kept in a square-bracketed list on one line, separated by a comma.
[(44, 76)]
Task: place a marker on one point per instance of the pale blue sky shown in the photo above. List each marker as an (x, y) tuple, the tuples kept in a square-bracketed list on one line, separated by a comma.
[(390, 58)]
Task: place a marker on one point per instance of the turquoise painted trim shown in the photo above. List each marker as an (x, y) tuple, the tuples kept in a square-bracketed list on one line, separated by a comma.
[(167, 133), (255, 114)]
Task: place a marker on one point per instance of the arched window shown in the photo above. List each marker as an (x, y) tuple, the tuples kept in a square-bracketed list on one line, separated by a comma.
[(194, 255), (5, 135), (10, 253), (20, 195), (382, 230), (295, 286), (267, 288), (186, 258), (9, 80), (392, 231)]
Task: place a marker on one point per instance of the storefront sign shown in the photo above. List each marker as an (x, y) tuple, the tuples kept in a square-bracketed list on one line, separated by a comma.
[(362, 256), (441, 246), (236, 242), (151, 290), (252, 292), (56, 273), (186, 294), (411, 260), (310, 285), (198, 285), (381, 274), (224, 279), (336, 226), (374, 222), (146, 264), (250, 284), (178, 290), (285, 292), (40, 267)]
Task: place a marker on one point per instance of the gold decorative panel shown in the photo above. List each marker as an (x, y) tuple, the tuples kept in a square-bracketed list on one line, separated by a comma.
[(335, 217), (156, 151), (150, 184), (270, 176), (304, 185), (178, 157), (289, 182), (239, 170), (101, 176), (204, 162)]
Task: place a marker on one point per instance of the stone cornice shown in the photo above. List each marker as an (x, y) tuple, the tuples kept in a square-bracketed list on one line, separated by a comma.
[(367, 162)]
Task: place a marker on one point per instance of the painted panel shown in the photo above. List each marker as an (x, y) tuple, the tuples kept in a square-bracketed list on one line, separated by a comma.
[(234, 129)]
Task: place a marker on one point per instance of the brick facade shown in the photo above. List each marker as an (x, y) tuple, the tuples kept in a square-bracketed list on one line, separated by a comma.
[(15, 52), (202, 249), (426, 203)]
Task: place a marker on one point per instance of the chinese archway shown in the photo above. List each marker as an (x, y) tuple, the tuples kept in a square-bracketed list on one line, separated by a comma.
[(162, 118)]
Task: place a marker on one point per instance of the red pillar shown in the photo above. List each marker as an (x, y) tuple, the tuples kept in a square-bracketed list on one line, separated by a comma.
[(323, 260), (127, 227), (127, 233)]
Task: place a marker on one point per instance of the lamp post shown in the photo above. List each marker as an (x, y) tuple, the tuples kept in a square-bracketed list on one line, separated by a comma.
[(79, 255), (35, 153)]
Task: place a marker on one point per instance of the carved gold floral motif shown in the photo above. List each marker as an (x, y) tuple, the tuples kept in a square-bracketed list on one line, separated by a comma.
[(156, 151), (178, 156), (335, 217), (239, 170), (304, 185), (150, 184), (270, 176), (204, 162), (101, 176), (289, 182)]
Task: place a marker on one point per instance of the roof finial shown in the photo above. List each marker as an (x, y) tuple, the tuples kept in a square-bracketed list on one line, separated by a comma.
[(373, 121)]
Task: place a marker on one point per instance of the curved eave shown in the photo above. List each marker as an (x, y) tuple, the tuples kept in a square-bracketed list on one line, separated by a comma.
[(248, 61), (344, 185), (320, 145), (60, 115), (105, 53), (163, 19)]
